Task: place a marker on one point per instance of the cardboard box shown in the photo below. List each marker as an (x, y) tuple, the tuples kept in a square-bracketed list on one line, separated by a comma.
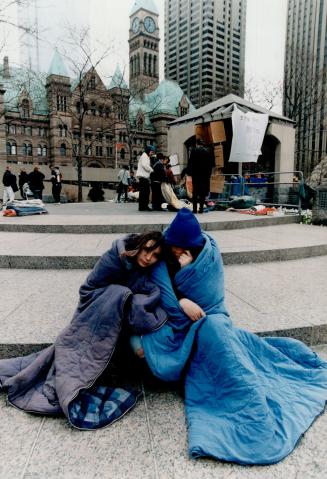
[(217, 131), (219, 155), (203, 132), (217, 181), (200, 132)]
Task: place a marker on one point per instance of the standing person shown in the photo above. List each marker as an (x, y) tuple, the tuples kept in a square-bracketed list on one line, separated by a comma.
[(144, 169), (10, 187), (22, 179), (56, 178), (158, 176), (170, 174), (123, 178), (199, 167), (35, 181)]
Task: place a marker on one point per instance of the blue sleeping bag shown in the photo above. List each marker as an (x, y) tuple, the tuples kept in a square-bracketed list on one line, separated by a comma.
[(248, 399)]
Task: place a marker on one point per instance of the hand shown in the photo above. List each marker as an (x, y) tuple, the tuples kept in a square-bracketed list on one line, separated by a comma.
[(185, 258), (191, 309)]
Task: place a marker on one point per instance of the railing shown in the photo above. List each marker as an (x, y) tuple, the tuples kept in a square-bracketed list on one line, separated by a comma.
[(268, 192)]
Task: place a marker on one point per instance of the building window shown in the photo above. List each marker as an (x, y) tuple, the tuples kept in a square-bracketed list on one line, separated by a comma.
[(88, 134), (122, 154), (93, 109), (88, 150), (44, 150), (61, 103), (63, 149), (92, 83), (39, 150), (12, 129), (11, 148), (25, 108), (63, 131), (98, 150)]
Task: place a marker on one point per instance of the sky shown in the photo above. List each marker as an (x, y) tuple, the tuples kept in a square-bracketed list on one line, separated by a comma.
[(109, 26)]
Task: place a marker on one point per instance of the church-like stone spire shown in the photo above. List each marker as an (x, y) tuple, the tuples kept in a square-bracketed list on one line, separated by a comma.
[(58, 66)]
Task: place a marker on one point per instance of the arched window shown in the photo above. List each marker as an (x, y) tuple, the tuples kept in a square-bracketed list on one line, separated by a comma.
[(44, 150), (138, 69), (29, 149), (150, 65), (145, 63), (100, 110), (24, 149), (39, 150), (122, 154), (63, 149), (154, 65), (93, 109), (11, 148)]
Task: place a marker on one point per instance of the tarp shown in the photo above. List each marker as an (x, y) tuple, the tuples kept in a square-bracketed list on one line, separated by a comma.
[(248, 134)]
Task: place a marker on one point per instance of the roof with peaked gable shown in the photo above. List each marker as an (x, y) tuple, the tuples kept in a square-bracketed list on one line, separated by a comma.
[(223, 108), (164, 99), (118, 79), (24, 81), (58, 66), (148, 5)]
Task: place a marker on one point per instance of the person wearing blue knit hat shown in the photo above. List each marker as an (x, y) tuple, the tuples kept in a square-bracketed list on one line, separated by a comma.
[(184, 242), (184, 231)]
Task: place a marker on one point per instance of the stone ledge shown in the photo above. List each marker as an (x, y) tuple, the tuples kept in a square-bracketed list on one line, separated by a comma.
[(141, 227), (61, 262), (310, 335)]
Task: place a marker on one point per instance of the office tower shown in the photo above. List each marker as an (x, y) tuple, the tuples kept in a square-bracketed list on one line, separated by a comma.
[(305, 79), (204, 47)]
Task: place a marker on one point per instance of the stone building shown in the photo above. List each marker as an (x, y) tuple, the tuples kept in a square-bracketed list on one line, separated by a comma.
[(54, 119)]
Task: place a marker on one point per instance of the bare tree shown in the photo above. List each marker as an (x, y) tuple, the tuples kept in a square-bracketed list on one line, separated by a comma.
[(304, 102), (7, 20)]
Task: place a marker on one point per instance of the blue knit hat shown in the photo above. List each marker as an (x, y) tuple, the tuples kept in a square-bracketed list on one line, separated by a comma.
[(184, 231)]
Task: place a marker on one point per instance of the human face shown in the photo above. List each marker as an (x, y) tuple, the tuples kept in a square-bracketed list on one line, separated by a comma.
[(177, 251), (146, 257)]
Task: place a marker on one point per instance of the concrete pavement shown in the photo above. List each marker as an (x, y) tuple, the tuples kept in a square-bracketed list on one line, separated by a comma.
[(268, 297)]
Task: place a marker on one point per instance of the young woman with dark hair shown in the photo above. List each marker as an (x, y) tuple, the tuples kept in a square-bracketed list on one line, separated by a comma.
[(117, 299)]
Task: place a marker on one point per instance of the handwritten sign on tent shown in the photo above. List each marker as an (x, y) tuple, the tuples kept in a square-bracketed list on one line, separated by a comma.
[(174, 163), (248, 134)]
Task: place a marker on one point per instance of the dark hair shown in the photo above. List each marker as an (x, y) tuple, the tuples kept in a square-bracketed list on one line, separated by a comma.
[(160, 156), (135, 243)]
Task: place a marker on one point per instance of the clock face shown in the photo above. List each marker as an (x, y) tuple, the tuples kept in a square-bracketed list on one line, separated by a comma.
[(136, 25), (149, 24)]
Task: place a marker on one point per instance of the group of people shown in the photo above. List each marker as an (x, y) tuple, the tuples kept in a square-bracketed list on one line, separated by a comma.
[(154, 169), (248, 399), (32, 182)]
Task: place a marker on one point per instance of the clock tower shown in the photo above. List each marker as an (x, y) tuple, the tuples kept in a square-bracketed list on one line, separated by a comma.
[(143, 47)]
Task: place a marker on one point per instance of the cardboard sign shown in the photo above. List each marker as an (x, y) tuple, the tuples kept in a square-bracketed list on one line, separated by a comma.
[(218, 131), (219, 155), (217, 181)]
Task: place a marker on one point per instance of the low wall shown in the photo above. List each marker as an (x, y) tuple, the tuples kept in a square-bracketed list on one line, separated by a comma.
[(69, 174)]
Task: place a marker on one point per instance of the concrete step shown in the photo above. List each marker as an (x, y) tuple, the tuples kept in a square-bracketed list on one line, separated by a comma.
[(250, 245), (150, 442), (272, 298), (108, 218)]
